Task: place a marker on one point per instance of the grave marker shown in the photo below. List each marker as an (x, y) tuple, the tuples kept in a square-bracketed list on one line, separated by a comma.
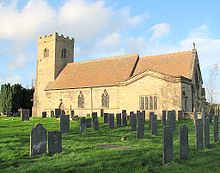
[(184, 145), (54, 142), (118, 119), (64, 123), (167, 144), (207, 132), (83, 124), (124, 118), (180, 115), (25, 114), (216, 135), (111, 120), (133, 121), (96, 124), (140, 125), (154, 125), (88, 122), (57, 113), (44, 114), (199, 133), (163, 119), (105, 118)]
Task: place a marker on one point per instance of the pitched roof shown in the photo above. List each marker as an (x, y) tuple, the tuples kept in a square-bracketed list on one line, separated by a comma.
[(106, 71), (174, 64), (113, 70)]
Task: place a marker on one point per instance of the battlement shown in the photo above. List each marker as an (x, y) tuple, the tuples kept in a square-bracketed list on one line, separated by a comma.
[(55, 35)]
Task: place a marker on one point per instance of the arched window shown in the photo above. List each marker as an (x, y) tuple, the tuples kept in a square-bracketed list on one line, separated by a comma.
[(63, 53), (105, 99), (46, 53), (80, 100)]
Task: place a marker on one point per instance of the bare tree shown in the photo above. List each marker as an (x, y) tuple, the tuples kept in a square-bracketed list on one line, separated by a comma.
[(211, 86)]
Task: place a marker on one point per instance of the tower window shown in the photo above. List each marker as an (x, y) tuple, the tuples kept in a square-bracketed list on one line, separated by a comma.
[(63, 53), (46, 52)]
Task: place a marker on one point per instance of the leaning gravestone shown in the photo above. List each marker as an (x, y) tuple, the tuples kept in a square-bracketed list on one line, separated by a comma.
[(83, 124), (163, 119), (154, 125), (118, 119), (111, 120), (184, 144), (207, 132), (124, 118), (44, 114), (25, 114), (105, 118), (151, 114), (199, 133), (140, 126), (167, 144), (57, 113), (64, 123), (216, 135), (96, 124), (88, 122), (133, 121), (38, 140), (54, 142), (180, 115)]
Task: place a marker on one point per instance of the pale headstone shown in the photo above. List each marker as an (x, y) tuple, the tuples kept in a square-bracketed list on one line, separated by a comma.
[(199, 133), (111, 120), (216, 135), (25, 114), (54, 142), (88, 122), (64, 123), (105, 118), (154, 125), (180, 115), (163, 119), (118, 119), (184, 144), (83, 124), (57, 113), (133, 121), (44, 114), (124, 118), (96, 124), (38, 140), (167, 144), (207, 132), (140, 125)]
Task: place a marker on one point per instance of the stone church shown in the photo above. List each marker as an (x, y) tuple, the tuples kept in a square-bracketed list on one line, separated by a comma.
[(151, 83)]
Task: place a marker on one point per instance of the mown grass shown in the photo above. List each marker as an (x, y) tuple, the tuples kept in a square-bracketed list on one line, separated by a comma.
[(82, 152)]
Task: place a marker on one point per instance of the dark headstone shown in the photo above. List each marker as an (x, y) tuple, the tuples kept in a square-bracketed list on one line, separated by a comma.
[(167, 144), (57, 113), (25, 114), (54, 142), (72, 113), (96, 124), (203, 116), (83, 124), (64, 124), (105, 118), (94, 116), (199, 133), (154, 125), (52, 113), (38, 140), (207, 132), (63, 112), (163, 118), (44, 114), (216, 135), (124, 118), (88, 122), (133, 121), (144, 114), (140, 125), (111, 120), (151, 114), (184, 145), (171, 119), (118, 119), (180, 115), (102, 112)]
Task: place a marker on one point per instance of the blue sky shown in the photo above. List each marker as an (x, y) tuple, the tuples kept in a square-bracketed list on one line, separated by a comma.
[(106, 28)]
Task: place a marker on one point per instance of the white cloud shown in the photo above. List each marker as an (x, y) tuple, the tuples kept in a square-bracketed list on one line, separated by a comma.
[(160, 30), (12, 79)]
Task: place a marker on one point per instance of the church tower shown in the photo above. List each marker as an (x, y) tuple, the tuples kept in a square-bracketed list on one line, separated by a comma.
[(53, 54)]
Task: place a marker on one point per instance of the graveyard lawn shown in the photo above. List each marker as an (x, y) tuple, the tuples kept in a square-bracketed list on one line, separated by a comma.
[(101, 150)]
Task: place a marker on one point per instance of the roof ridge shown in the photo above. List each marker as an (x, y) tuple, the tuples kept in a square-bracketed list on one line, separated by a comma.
[(105, 58), (180, 52)]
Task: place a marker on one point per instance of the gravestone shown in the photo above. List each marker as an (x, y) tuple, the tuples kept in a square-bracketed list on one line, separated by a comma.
[(133, 121), (203, 116), (167, 144), (72, 113), (207, 132), (163, 119), (140, 125), (54, 142), (184, 144), (64, 123), (102, 112), (94, 116), (52, 113), (44, 114), (154, 125), (199, 133), (144, 114), (96, 124), (83, 124), (88, 122), (118, 119), (151, 114), (195, 116), (105, 118), (171, 119), (25, 114), (216, 135), (180, 115), (38, 140), (57, 113), (124, 118), (111, 120)]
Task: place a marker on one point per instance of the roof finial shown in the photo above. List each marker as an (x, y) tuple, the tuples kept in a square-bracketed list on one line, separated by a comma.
[(194, 45)]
